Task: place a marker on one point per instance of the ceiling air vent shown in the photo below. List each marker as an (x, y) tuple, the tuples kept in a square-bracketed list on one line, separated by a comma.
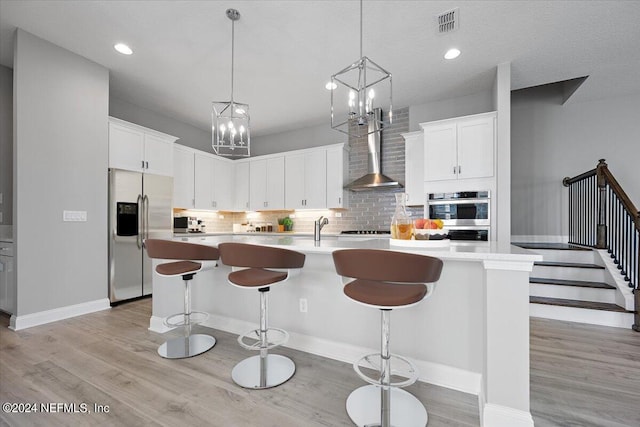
[(449, 21)]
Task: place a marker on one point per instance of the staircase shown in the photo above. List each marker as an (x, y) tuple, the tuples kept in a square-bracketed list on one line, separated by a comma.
[(573, 283)]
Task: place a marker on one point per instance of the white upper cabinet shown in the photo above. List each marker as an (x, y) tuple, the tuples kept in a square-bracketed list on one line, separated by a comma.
[(183, 177), (314, 180), (337, 175), (212, 182), (223, 184), (241, 193), (414, 168), (135, 148), (203, 181), (305, 184), (266, 183), (461, 148)]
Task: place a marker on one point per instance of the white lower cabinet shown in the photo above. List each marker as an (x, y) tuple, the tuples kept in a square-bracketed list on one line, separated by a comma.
[(7, 279)]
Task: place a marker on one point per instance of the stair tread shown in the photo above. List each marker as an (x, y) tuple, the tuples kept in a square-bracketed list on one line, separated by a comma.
[(565, 282), (568, 264), (557, 246), (578, 304)]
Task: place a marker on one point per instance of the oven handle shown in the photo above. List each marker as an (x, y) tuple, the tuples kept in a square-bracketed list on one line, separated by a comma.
[(458, 202)]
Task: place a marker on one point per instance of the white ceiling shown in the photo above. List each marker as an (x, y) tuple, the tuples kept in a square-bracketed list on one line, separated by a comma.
[(287, 50)]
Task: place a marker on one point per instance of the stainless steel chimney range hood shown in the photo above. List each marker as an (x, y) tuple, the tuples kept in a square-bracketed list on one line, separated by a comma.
[(374, 179)]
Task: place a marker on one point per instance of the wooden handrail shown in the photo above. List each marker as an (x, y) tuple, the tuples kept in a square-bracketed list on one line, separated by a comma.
[(568, 181), (626, 201)]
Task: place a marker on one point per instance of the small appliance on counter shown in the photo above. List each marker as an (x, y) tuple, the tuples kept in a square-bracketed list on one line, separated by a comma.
[(187, 224)]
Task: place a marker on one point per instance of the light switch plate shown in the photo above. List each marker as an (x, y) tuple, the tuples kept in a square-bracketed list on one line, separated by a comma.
[(74, 216)]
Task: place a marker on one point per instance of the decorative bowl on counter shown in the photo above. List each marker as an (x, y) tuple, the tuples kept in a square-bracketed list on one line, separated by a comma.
[(430, 234)]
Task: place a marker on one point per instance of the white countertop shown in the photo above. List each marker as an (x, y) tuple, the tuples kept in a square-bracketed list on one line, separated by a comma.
[(469, 251)]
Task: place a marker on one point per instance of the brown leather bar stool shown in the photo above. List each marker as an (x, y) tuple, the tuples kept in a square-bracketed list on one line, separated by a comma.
[(188, 253), (386, 280), (259, 264)]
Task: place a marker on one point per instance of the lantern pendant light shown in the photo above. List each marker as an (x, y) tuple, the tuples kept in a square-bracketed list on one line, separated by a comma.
[(230, 130), (356, 91)]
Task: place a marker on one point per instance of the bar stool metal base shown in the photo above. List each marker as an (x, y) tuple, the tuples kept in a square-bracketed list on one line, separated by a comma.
[(363, 407), (180, 348), (278, 369)]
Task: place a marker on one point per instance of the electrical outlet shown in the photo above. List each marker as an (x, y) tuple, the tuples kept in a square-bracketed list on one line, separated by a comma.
[(303, 305), (74, 216), (338, 214)]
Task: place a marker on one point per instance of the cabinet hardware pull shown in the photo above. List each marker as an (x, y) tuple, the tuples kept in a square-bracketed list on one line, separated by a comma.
[(454, 170), (147, 165), (459, 169), (142, 164)]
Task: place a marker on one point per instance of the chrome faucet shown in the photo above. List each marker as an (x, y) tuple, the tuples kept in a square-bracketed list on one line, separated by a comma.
[(320, 222)]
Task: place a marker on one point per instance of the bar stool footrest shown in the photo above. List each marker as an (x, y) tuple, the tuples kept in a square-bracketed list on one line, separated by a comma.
[(178, 320), (275, 337), (400, 367)]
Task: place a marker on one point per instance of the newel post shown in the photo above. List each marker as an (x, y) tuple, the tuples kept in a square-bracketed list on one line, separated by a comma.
[(601, 232)]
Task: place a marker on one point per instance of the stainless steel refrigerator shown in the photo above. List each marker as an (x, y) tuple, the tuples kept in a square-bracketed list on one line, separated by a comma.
[(140, 207)]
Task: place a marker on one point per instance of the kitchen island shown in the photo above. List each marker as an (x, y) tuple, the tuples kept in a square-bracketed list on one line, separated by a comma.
[(471, 335)]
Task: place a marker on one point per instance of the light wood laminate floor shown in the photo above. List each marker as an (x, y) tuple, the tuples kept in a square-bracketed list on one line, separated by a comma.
[(580, 376)]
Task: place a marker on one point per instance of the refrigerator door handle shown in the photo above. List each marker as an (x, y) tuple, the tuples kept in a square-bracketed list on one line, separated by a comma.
[(140, 203), (145, 200)]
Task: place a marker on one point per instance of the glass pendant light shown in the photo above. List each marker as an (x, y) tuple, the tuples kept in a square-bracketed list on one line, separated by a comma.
[(230, 131), (356, 91)]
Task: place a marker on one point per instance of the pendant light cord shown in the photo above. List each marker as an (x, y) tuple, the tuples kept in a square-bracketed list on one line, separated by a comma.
[(360, 28), (233, 25)]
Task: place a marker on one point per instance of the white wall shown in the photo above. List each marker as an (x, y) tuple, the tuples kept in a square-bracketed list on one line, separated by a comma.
[(476, 103), (551, 141), (6, 144), (60, 163), (188, 135), (312, 136), (503, 156)]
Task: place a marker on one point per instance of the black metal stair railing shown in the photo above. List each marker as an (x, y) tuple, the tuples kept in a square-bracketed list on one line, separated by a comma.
[(602, 216)]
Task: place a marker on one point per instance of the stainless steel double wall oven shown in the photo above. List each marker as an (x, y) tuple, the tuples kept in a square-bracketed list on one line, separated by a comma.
[(467, 214)]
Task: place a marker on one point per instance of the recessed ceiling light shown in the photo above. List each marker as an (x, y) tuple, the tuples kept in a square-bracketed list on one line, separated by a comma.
[(452, 54), (330, 86), (123, 49)]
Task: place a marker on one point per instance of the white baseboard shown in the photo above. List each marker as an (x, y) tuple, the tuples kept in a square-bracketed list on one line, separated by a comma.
[(502, 416), (539, 238), (156, 324), (17, 323), (624, 296), (433, 373)]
